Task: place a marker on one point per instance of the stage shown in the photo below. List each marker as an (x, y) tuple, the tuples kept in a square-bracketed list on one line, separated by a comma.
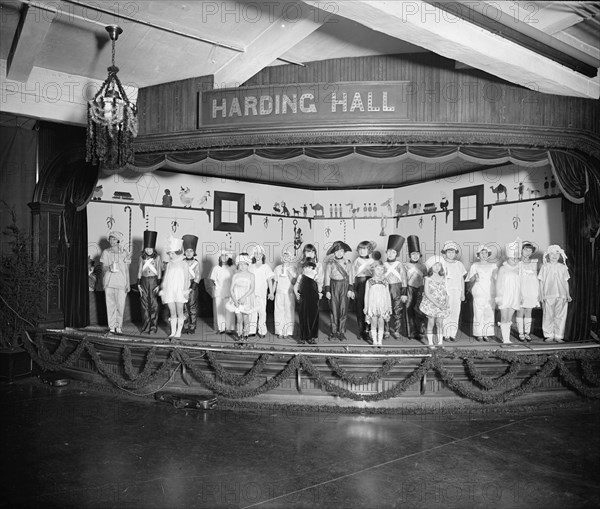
[(331, 374)]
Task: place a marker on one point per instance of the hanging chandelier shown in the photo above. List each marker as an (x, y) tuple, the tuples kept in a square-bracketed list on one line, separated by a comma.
[(112, 119)]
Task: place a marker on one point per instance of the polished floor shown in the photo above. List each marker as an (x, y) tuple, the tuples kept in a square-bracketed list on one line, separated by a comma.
[(80, 447)]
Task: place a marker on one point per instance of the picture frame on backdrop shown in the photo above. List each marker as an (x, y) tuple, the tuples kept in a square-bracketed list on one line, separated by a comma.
[(229, 212), (468, 208)]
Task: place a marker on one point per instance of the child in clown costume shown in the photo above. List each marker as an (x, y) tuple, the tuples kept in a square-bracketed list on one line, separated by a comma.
[(554, 293), (482, 276), (508, 289), (285, 301), (455, 285), (220, 277)]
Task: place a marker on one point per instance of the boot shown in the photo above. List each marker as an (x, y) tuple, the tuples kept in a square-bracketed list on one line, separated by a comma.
[(520, 323), (440, 339), (180, 322), (528, 329), (429, 338), (380, 337), (505, 329), (173, 322)]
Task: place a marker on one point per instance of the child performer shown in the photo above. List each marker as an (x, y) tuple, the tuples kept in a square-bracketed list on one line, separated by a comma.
[(395, 275), (115, 267), (455, 284), (554, 293), (149, 275), (378, 303), (220, 277), (263, 285), (243, 300), (308, 296), (361, 268), (434, 304), (530, 297), (285, 300), (175, 287), (309, 254), (190, 310), (482, 276), (508, 289), (415, 272), (338, 287)]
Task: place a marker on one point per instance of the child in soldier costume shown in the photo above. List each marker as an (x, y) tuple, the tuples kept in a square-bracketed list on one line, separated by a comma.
[(395, 275), (338, 287), (148, 278), (415, 272), (190, 309), (361, 268)]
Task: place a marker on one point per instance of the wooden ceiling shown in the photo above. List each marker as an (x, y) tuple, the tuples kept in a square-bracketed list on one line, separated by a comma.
[(45, 47)]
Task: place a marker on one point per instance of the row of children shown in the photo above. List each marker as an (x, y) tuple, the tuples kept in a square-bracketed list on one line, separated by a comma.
[(391, 298)]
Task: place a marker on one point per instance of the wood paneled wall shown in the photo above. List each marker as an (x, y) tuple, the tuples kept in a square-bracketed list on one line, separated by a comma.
[(437, 94)]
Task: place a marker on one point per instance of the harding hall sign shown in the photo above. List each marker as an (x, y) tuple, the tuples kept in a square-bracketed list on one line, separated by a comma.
[(307, 102)]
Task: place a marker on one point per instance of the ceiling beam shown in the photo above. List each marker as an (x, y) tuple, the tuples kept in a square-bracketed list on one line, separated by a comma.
[(34, 23), (273, 42), (434, 29)]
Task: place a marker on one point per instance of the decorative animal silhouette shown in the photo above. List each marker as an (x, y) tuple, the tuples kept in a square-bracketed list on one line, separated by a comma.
[(318, 209), (184, 196), (444, 204), (500, 188), (402, 210), (203, 199), (98, 193), (353, 210), (388, 203), (295, 212), (284, 209), (277, 207), (256, 206)]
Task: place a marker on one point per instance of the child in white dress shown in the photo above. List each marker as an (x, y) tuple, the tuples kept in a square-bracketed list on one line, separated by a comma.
[(508, 289), (285, 300), (242, 301), (530, 297), (482, 276), (434, 304), (378, 303), (455, 285), (554, 293), (175, 286)]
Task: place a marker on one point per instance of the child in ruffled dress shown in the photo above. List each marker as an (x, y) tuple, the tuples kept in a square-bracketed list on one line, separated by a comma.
[(434, 303), (554, 293), (530, 297), (378, 303), (242, 301), (508, 289)]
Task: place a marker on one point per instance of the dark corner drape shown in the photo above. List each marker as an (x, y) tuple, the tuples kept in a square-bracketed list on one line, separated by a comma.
[(579, 180), (75, 246)]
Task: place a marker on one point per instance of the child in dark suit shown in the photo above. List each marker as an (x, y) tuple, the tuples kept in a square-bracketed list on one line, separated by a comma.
[(308, 297)]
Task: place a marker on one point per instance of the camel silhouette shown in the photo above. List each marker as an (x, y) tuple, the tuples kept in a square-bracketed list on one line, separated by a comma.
[(317, 207), (500, 188)]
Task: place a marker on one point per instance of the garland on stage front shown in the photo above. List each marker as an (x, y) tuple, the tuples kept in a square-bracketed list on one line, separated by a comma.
[(477, 386)]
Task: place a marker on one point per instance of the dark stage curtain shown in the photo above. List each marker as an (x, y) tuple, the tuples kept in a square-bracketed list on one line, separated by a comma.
[(74, 246), (579, 182)]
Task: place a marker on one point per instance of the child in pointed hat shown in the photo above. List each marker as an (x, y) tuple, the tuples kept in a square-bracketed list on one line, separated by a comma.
[(554, 293)]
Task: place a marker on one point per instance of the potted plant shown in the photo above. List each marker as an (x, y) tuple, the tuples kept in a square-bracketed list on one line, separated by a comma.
[(24, 284)]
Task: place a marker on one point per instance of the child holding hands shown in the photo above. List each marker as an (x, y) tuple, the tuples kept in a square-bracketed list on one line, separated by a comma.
[(554, 293)]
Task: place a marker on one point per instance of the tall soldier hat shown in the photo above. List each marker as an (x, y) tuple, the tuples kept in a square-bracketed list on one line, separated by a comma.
[(413, 244), (190, 242), (150, 239), (395, 242)]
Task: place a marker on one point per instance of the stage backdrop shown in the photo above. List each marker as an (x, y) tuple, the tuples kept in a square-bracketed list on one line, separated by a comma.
[(493, 206)]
